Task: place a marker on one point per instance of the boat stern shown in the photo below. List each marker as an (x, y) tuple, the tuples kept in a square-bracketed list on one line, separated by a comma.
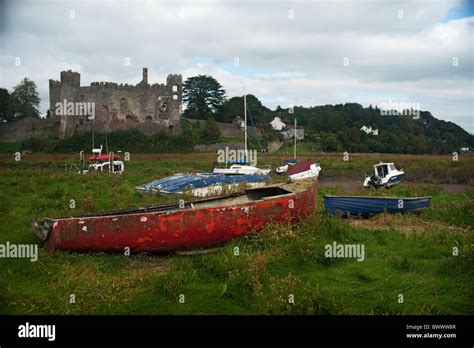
[(42, 229)]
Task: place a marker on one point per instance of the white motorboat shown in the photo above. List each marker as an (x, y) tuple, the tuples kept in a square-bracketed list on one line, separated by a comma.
[(385, 174)]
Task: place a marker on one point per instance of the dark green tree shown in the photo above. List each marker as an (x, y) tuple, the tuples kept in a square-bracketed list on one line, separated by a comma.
[(230, 109), (204, 95), (6, 106), (235, 107), (329, 142), (25, 100)]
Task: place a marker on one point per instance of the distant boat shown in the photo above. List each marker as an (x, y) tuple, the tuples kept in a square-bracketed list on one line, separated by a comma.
[(194, 225), (110, 162), (203, 184), (385, 174), (368, 206), (284, 168), (299, 171), (243, 168), (104, 163), (304, 170)]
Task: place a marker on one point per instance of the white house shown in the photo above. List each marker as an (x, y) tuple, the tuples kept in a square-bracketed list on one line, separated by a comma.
[(369, 130), (277, 124), (239, 122), (289, 132)]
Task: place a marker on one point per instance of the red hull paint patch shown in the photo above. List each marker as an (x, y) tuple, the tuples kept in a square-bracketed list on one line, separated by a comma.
[(178, 229)]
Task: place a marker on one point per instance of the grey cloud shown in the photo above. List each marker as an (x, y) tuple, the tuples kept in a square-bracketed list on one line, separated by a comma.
[(294, 61)]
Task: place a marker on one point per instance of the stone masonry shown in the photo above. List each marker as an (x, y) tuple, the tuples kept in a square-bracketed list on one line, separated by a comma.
[(148, 108)]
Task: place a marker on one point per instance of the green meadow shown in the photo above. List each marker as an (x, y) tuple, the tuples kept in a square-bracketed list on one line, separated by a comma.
[(414, 264)]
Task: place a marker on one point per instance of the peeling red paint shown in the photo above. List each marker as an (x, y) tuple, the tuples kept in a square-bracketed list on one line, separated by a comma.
[(178, 229)]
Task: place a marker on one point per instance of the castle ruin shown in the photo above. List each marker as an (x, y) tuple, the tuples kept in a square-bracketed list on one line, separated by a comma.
[(148, 108)]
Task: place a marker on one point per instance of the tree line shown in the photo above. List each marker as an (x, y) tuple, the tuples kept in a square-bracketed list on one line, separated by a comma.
[(333, 127), (327, 127)]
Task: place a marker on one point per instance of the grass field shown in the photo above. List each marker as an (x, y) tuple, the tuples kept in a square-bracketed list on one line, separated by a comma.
[(410, 256)]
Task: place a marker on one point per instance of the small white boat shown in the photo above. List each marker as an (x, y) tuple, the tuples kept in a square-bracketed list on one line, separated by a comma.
[(242, 169), (106, 163), (284, 168), (103, 163), (281, 169), (304, 170), (385, 174)]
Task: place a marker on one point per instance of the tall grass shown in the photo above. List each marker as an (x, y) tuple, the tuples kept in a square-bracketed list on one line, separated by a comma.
[(257, 274)]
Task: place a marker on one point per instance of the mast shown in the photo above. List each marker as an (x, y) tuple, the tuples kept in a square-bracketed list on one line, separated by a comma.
[(245, 126), (106, 142), (92, 128), (294, 148)]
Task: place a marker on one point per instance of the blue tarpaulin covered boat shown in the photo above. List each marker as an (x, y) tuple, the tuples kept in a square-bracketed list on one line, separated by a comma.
[(203, 184), (368, 206)]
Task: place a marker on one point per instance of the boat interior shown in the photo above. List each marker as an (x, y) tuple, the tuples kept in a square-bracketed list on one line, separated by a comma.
[(242, 198), (251, 195)]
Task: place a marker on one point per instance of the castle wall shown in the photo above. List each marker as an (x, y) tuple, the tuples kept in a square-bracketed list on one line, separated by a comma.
[(230, 129), (148, 108), (27, 128)]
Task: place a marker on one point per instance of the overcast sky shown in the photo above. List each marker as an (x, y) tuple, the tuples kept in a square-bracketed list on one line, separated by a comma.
[(284, 52)]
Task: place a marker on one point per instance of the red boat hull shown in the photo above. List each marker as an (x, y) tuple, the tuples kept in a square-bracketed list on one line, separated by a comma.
[(176, 230)]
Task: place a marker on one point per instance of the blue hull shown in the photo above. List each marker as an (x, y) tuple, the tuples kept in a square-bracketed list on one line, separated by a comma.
[(180, 182), (368, 206), (396, 179)]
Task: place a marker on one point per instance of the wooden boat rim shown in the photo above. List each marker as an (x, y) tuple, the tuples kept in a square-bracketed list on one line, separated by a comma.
[(291, 188), (375, 197)]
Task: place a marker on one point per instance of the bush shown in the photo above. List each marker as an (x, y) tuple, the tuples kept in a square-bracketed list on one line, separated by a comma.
[(130, 140)]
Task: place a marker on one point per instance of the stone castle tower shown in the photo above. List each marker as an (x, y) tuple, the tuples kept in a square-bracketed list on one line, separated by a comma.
[(148, 108)]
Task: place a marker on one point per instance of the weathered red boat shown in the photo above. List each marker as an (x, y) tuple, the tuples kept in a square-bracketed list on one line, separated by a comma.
[(201, 223)]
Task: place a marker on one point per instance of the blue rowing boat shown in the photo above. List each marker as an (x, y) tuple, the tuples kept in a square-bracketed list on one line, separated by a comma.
[(203, 184), (368, 206)]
